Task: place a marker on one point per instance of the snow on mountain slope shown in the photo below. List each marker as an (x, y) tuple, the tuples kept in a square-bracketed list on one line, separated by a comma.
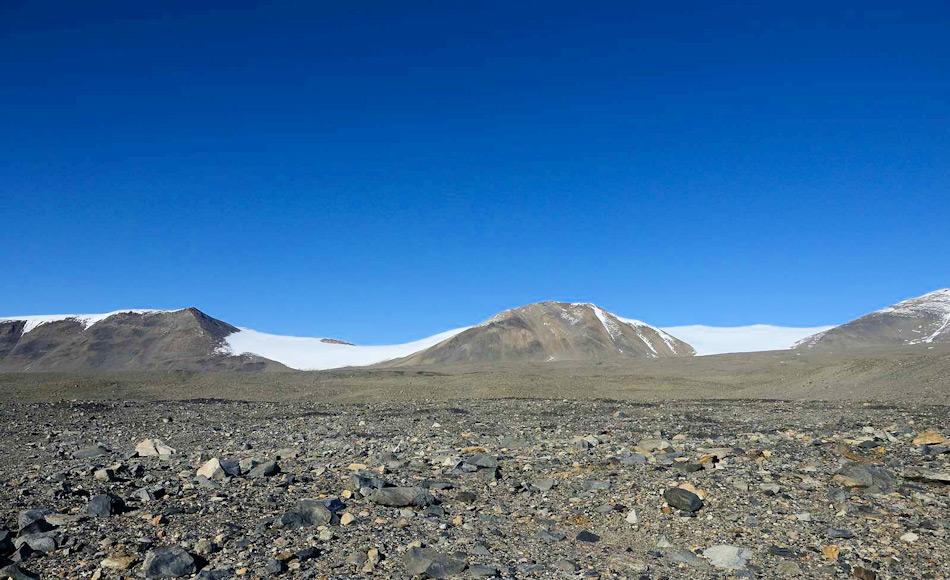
[(753, 338), (306, 353), (921, 320), (35, 320)]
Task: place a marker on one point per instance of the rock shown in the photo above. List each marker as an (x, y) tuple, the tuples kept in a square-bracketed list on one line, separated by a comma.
[(33, 521), (483, 571), (347, 519), (204, 547), (682, 499), (307, 512), (265, 469), (43, 542), (863, 573), (831, 552), (119, 561), (432, 564), (153, 447), (15, 572), (650, 445), (788, 568), (927, 475), (104, 505), (770, 488), (543, 484), (6, 542), (215, 468), (726, 557), (105, 475), (91, 452), (565, 565), (873, 479), (680, 556), (272, 567), (836, 533), (632, 517), (929, 437), (482, 461), (307, 554), (402, 497), (585, 536), (170, 562), (908, 537)]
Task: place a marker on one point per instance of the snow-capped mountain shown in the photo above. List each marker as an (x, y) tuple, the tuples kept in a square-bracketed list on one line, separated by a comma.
[(548, 332), (185, 339), (921, 320)]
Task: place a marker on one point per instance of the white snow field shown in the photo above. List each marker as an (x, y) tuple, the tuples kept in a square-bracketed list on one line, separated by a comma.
[(753, 338), (311, 354)]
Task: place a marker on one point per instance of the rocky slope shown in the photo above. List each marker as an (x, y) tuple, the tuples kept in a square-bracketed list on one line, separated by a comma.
[(548, 332), (921, 320), (185, 339)]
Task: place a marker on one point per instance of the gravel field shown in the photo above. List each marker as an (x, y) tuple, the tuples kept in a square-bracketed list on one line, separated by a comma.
[(508, 487)]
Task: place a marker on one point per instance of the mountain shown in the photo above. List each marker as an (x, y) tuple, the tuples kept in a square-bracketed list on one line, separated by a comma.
[(548, 332), (921, 320), (186, 339)]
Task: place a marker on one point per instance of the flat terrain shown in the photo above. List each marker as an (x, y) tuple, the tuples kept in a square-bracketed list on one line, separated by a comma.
[(510, 488), (910, 374)]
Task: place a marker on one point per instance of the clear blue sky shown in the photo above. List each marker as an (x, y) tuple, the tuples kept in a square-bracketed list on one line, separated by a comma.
[(380, 171)]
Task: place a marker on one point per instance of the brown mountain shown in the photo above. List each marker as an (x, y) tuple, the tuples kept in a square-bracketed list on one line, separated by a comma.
[(921, 320), (185, 339), (548, 332)]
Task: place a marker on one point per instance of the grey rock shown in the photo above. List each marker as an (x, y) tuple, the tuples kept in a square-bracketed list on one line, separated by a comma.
[(104, 505), (432, 564), (91, 452), (170, 562), (482, 461), (272, 567), (402, 497), (726, 557), (873, 479), (585, 536), (6, 542), (836, 533), (307, 512), (265, 469), (682, 556), (29, 520), (15, 572), (683, 499), (44, 542), (543, 484), (483, 571)]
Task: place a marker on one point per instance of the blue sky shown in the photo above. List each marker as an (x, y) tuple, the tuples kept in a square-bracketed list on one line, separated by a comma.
[(381, 171)]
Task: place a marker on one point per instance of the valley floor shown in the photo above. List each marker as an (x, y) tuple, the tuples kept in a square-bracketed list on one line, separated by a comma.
[(512, 488)]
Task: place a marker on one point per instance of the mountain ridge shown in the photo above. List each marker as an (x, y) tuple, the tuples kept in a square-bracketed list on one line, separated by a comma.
[(550, 331), (923, 319)]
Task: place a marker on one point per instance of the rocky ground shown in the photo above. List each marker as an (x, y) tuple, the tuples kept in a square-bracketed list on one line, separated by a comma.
[(508, 488)]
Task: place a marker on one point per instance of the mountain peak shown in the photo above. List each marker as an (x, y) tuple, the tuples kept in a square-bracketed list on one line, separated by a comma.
[(551, 331), (924, 319)]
